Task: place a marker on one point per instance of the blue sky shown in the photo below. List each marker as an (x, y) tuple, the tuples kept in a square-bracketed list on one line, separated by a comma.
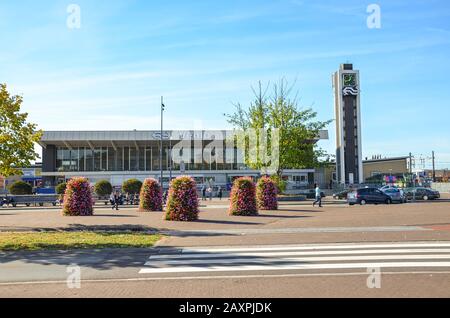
[(205, 55)]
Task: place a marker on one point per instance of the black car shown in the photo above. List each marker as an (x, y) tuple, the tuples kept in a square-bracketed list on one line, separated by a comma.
[(368, 195), (422, 194)]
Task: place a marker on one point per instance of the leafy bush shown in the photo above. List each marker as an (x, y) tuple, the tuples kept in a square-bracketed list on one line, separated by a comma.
[(243, 198), (279, 183), (20, 187), (103, 188), (78, 198), (132, 186), (61, 188), (150, 198), (182, 201), (266, 194)]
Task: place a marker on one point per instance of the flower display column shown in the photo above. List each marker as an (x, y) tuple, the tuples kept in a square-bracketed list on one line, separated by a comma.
[(150, 198), (266, 194), (78, 198), (182, 201), (243, 197)]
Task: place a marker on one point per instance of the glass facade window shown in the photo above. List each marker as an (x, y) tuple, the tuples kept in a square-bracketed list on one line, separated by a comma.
[(111, 158), (89, 159), (126, 158), (104, 161), (134, 159), (141, 159), (148, 159), (97, 159), (119, 156), (81, 161), (74, 158)]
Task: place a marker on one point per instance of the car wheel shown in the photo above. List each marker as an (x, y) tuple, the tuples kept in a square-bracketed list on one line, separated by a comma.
[(363, 202), (425, 197), (388, 201)]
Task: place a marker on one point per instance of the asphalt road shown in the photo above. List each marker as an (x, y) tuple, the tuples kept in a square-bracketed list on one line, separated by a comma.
[(402, 250), (407, 269)]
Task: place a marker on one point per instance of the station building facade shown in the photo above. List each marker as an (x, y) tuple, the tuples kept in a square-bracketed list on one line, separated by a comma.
[(121, 155)]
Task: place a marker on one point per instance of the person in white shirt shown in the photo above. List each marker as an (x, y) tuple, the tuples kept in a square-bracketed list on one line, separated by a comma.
[(318, 196)]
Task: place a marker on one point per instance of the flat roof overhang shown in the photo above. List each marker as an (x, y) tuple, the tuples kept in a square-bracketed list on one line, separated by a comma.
[(133, 138)]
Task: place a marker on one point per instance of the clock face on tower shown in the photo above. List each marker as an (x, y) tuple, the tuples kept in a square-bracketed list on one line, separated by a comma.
[(350, 79)]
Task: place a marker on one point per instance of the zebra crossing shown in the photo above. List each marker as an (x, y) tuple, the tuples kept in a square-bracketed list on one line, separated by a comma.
[(299, 257)]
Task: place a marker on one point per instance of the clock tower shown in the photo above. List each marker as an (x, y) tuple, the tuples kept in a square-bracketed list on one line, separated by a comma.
[(346, 88)]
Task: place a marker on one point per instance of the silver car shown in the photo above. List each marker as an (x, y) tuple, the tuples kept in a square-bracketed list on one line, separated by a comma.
[(397, 195)]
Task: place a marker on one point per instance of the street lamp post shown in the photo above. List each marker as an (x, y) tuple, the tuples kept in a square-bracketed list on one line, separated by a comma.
[(161, 143)]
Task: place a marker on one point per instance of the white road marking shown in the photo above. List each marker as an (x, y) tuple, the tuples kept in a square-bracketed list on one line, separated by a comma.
[(300, 257), (288, 267), (154, 258), (314, 246)]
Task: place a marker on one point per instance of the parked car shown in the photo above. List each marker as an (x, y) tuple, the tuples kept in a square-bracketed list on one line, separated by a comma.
[(368, 195), (388, 186), (341, 194), (422, 194), (397, 195)]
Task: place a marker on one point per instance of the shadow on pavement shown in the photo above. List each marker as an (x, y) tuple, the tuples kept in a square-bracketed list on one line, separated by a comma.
[(300, 210), (227, 222), (100, 259), (284, 216)]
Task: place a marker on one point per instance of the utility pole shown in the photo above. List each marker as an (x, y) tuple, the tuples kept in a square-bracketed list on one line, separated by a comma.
[(161, 143), (434, 168), (170, 158), (410, 163)]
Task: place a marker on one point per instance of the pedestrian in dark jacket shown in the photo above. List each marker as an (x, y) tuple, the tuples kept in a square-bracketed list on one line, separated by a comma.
[(203, 193)]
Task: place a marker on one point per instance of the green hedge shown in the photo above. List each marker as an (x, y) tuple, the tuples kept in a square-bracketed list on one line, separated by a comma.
[(132, 186), (103, 188), (61, 188), (20, 188)]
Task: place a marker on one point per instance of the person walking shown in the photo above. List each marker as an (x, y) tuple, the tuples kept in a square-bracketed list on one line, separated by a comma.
[(116, 200), (318, 196), (111, 200), (204, 193), (209, 190), (165, 197), (219, 194)]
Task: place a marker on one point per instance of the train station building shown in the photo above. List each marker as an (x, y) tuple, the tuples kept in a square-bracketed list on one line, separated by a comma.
[(121, 155)]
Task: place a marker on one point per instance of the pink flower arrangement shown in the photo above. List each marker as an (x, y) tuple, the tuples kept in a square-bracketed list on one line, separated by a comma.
[(182, 201), (266, 194), (243, 198), (150, 198), (78, 198)]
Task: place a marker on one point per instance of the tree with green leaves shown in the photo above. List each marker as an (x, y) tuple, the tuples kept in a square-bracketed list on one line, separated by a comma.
[(20, 188), (103, 188), (17, 136), (298, 128), (132, 186), (61, 188)]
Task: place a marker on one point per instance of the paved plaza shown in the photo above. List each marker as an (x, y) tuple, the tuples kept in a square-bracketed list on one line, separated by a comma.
[(296, 251)]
